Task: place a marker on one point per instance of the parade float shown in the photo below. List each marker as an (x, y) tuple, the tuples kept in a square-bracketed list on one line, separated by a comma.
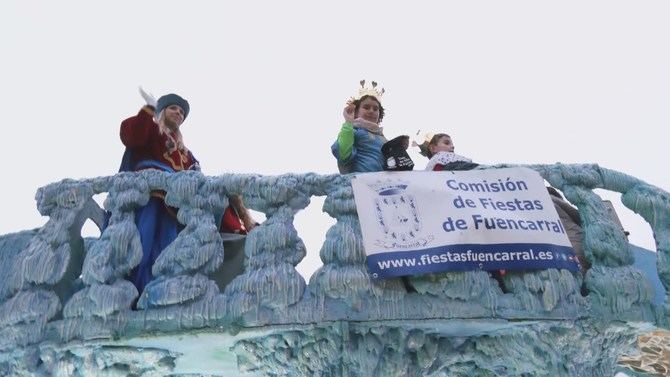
[(227, 306)]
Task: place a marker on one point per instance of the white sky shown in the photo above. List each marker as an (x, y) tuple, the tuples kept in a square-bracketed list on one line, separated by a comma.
[(513, 81)]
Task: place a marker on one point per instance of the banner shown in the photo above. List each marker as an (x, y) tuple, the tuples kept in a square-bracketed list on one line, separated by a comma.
[(425, 221)]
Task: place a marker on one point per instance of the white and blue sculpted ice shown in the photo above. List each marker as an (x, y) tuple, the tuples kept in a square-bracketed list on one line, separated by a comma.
[(65, 306)]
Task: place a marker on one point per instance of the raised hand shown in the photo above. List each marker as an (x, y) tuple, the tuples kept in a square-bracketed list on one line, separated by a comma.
[(348, 113)]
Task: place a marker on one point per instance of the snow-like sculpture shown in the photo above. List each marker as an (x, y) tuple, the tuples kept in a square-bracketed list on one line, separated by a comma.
[(66, 308)]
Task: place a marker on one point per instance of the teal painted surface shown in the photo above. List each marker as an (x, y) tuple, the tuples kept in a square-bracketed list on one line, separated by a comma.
[(646, 261), (65, 305)]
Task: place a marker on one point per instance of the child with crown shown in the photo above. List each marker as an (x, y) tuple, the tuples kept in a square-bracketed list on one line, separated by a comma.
[(439, 148), (359, 143)]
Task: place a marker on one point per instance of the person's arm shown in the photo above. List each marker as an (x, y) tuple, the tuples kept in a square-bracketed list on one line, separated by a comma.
[(136, 130), (242, 212), (345, 142), (345, 139)]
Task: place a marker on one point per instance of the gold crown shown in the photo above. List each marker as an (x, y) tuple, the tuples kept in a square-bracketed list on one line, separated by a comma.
[(423, 145), (365, 91)]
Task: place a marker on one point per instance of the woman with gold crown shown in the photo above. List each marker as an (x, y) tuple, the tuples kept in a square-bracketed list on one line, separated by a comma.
[(359, 143)]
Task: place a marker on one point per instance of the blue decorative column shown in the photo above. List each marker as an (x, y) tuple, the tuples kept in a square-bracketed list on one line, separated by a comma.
[(270, 281)]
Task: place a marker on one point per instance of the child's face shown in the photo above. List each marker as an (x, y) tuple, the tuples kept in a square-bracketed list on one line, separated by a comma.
[(444, 144), (369, 110)]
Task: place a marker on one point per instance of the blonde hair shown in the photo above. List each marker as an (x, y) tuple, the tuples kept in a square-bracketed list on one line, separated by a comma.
[(163, 129)]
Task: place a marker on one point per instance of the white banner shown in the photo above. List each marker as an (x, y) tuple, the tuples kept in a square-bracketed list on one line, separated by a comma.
[(418, 222)]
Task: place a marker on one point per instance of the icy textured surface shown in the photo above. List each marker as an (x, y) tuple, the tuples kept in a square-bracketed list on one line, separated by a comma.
[(65, 303)]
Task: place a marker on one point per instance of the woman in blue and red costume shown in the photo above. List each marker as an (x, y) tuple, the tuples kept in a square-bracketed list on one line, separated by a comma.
[(358, 148), (153, 140)]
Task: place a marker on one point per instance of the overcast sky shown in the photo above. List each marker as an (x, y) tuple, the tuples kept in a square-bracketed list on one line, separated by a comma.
[(513, 81)]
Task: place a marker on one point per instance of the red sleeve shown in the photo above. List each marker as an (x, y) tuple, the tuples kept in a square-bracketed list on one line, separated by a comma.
[(438, 167), (135, 131), (230, 223)]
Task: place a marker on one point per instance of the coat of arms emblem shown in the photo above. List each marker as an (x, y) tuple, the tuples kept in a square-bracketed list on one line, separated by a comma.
[(396, 211)]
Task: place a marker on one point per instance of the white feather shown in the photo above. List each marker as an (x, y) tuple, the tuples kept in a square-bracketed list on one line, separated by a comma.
[(148, 97)]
